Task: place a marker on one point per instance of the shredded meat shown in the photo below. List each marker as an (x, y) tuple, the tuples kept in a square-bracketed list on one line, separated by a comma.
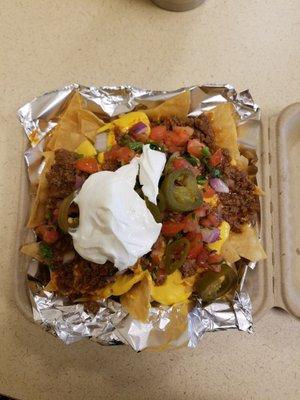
[(62, 175)]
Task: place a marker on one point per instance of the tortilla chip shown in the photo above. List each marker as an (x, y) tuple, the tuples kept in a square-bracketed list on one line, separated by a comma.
[(228, 252), (258, 191), (242, 162), (178, 106), (61, 139), (37, 214), (69, 118), (88, 122), (32, 250), (245, 244), (224, 126), (137, 300), (52, 284)]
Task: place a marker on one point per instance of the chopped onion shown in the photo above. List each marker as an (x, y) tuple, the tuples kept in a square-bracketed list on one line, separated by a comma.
[(139, 128), (210, 235), (101, 142), (68, 257), (218, 185), (79, 181)]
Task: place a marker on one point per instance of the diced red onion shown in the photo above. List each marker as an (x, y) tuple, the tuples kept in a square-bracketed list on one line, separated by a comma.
[(101, 142), (68, 257), (210, 235), (218, 185), (138, 128), (79, 181)]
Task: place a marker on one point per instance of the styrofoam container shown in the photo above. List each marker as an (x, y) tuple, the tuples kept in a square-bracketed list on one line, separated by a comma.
[(275, 282)]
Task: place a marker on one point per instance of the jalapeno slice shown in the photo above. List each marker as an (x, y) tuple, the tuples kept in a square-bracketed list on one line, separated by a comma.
[(176, 254), (153, 208), (180, 191), (213, 285), (64, 221)]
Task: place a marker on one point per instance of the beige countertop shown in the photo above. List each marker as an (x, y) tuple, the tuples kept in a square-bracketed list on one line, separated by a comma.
[(46, 44)]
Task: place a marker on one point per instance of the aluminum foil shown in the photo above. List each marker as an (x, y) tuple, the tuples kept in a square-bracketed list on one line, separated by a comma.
[(167, 327)]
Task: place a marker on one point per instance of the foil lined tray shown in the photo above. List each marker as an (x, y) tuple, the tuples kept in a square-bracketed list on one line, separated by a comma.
[(166, 327)]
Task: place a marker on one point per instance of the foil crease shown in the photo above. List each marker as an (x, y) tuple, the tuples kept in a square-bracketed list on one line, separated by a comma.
[(167, 327)]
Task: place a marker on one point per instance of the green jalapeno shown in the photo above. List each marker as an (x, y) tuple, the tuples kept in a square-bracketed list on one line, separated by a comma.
[(154, 209), (176, 254), (64, 221), (180, 191), (213, 285)]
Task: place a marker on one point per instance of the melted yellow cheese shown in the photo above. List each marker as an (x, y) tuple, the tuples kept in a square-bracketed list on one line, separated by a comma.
[(173, 291), (224, 233), (86, 149)]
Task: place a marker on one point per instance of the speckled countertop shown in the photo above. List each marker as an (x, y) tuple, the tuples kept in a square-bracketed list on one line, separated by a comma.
[(46, 44)]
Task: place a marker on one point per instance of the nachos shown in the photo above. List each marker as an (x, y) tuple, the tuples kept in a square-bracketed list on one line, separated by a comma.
[(151, 207)]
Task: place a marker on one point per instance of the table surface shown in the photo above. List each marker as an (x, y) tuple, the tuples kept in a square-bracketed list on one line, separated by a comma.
[(45, 45)]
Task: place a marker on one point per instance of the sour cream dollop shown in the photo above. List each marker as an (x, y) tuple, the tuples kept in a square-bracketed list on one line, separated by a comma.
[(115, 223), (152, 163)]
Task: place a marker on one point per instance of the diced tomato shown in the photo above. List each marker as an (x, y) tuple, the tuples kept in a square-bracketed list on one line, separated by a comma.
[(171, 228), (180, 163), (201, 211), (208, 191), (176, 140), (191, 223), (186, 129), (214, 258), (121, 154), (158, 250), (48, 233), (216, 158), (87, 164), (158, 133), (196, 244), (194, 147), (202, 257), (212, 220)]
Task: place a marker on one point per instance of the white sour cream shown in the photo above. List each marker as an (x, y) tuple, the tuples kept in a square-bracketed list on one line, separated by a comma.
[(115, 223), (152, 163)]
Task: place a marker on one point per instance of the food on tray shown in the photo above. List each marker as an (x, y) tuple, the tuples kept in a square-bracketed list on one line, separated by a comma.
[(152, 207)]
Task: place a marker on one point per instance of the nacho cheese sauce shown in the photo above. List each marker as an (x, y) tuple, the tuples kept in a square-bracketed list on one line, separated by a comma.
[(115, 223)]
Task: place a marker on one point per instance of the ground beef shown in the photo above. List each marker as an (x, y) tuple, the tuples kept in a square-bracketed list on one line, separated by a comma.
[(91, 276), (63, 246), (241, 205), (202, 129), (62, 175), (91, 307), (189, 268), (65, 279), (110, 165)]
